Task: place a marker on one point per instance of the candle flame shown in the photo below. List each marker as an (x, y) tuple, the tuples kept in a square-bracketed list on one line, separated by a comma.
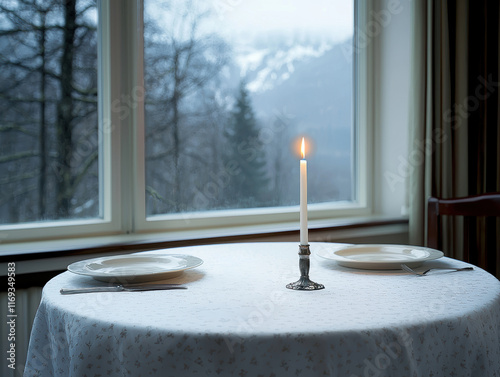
[(303, 149)]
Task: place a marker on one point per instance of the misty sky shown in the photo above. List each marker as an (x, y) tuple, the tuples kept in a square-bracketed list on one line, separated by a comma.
[(242, 19), (317, 16)]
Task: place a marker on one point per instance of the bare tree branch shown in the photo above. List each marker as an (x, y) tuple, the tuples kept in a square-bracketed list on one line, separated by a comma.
[(85, 168), (18, 128), (18, 156), (19, 177)]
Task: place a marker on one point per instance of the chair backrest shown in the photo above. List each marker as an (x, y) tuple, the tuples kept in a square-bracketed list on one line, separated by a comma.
[(470, 207)]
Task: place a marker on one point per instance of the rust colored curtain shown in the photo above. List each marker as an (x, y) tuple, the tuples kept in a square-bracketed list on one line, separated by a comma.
[(454, 120)]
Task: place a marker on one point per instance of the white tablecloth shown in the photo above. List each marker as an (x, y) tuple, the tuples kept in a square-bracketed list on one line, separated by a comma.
[(238, 319)]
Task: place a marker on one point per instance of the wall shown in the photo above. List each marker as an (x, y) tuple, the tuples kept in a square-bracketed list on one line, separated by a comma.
[(391, 108)]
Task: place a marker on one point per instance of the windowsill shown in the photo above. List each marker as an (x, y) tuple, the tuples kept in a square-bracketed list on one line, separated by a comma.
[(334, 230)]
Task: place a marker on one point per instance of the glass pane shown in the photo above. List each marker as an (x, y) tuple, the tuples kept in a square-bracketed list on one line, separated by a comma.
[(48, 110), (231, 86)]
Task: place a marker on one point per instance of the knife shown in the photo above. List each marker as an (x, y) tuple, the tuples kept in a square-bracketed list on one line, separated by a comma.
[(122, 288)]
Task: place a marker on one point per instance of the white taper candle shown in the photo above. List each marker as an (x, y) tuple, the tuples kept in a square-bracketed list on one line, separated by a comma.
[(303, 197)]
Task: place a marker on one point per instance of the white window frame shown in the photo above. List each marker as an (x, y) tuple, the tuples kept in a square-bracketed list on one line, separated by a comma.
[(122, 190), (109, 148), (271, 215)]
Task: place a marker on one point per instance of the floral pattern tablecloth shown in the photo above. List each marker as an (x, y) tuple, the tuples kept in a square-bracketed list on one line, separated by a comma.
[(237, 319)]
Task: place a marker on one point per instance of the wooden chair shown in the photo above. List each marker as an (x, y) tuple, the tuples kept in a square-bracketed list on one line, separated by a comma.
[(470, 207)]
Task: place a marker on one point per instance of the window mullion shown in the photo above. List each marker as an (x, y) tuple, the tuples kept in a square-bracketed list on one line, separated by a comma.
[(126, 96), (139, 92)]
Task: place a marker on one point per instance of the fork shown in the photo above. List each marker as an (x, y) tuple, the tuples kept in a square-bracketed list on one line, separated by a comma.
[(408, 269)]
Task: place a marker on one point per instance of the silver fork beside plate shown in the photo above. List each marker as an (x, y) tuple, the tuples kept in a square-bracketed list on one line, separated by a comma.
[(424, 273)]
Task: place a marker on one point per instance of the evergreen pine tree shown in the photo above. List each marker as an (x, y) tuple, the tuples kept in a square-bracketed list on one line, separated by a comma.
[(245, 153)]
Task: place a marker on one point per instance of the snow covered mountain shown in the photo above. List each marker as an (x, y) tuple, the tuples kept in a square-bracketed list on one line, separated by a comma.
[(269, 68), (315, 80), (308, 86)]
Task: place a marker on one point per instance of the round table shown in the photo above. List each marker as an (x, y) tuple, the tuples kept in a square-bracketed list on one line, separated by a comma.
[(237, 319)]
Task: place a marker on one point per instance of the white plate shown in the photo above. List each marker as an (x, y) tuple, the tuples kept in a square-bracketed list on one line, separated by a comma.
[(135, 267), (380, 257)]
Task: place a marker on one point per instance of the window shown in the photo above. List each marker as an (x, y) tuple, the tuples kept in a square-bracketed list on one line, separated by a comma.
[(229, 88), (48, 111), (191, 124)]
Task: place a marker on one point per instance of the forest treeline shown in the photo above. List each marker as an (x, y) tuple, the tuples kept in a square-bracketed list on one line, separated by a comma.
[(205, 147)]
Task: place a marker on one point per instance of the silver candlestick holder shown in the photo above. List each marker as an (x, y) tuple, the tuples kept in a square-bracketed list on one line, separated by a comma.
[(304, 283)]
